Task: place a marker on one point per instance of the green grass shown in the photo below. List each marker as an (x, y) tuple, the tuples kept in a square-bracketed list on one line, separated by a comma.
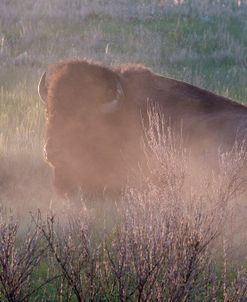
[(205, 47)]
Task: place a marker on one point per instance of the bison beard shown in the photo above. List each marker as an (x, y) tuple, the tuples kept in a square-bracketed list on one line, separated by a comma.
[(95, 120)]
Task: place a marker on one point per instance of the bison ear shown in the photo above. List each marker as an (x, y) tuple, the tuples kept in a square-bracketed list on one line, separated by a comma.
[(115, 104), (42, 88)]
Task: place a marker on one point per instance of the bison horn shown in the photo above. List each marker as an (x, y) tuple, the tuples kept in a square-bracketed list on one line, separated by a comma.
[(42, 89), (115, 103)]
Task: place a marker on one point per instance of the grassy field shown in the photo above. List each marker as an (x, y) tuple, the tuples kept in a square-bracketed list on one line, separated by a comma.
[(203, 42)]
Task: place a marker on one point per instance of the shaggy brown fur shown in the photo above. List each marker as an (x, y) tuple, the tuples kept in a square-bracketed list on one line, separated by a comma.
[(95, 150)]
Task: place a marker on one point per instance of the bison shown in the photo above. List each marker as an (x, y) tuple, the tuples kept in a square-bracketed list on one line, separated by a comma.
[(95, 120)]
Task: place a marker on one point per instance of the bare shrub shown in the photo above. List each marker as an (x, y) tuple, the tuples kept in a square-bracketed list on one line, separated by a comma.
[(168, 238), (19, 257), (76, 252), (163, 247)]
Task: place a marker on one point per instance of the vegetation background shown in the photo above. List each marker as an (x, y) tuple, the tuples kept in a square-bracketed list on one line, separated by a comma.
[(203, 42)]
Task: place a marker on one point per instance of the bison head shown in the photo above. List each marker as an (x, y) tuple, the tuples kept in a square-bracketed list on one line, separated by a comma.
[(85, 127), (103, 81)]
